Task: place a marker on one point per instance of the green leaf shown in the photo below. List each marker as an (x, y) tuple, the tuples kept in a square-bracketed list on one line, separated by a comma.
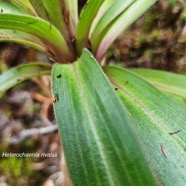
[(47, 33), (39, 8), (7, 7), (21, 73), (104, 7), (160, 121), (70, 17), (173, 84), (71, 9), (17, 36), (56, 12), (100, 142), (24, 5), (56, 17), (106, 20), (23, 38), (86, 18), (116, 27)]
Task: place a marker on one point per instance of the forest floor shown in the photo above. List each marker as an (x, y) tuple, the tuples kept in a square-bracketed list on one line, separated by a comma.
[(157, 41)]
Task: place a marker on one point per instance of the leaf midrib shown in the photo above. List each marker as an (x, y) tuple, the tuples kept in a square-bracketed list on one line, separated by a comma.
[(91, 124)]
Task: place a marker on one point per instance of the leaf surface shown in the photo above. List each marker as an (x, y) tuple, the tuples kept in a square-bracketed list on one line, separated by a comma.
[(18, 36), (103, 9), (21, 73), (171, 83), (24, 5), (7, 7), (56, 15), (71, 13), (41, 29), (40, 9), (120, 23), (100, 141), (161, 123), (105, 21), (23, 38), (87, 16)]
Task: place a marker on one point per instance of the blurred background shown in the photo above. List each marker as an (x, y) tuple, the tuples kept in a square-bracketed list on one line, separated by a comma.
[(27, 124)]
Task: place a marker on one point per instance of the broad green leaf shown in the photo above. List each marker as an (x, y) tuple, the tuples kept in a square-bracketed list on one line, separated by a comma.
[(23, 38), (24, 5), (126, 18), (100, 142), (85, 21), (106, 20), (43, 30), (160, 121), (21, 73), (171, 83)]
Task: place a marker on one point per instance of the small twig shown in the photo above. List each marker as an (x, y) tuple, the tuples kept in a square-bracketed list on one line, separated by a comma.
[(32, 132)]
